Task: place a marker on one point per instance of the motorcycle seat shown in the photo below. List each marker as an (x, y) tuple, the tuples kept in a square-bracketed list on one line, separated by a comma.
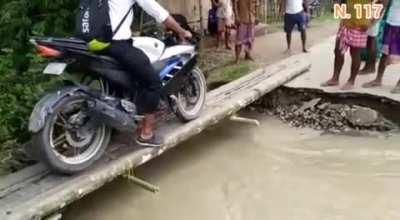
[(80, 46), (75, 45)]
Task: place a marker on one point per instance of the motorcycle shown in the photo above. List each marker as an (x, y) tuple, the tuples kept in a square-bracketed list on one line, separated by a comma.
[(71, 128)]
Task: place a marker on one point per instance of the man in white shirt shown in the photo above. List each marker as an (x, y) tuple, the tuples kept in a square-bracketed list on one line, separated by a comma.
[(138, 63), (293, 10)]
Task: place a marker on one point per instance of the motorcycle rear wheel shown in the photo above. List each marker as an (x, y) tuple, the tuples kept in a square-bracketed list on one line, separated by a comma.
[(64, 150)]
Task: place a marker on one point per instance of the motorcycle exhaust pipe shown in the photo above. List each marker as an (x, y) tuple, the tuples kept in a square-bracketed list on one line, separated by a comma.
[(112, 116)]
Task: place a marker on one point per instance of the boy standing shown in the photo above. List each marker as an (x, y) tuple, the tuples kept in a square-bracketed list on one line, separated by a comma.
[(137, 63), (294, 15), (373, 43), (225, 21), (352, 35)]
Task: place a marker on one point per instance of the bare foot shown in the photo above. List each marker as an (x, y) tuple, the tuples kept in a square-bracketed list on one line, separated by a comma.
[(249, 57), (396, 90), (366, 71), (372, 84), (305, 50), (348, 86), (330, 83), (288, 52)]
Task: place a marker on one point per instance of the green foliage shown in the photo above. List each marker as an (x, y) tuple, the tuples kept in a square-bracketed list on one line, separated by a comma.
[(235, 72), (20, 19), (21, 81), (18, 94)]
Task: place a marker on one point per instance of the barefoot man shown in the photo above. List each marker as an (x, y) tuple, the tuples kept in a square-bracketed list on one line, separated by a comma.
[(245, 18), (352, 35), (294, 15), (391, 45), (372, 44)]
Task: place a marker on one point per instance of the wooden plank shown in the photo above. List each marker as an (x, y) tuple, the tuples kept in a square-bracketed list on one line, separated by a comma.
[(13, 181), (52, 192)]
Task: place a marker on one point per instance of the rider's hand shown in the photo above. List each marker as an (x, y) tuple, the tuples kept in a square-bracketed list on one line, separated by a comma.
[(185, 35)]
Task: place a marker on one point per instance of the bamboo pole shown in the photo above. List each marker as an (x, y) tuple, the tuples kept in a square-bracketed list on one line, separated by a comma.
[(265, 11), (201, 18)]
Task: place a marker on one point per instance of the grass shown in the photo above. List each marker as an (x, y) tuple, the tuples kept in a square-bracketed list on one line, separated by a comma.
[(229, 73), (232, 72)]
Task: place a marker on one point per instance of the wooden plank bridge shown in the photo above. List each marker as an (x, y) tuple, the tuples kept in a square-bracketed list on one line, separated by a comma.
[(35, 192)]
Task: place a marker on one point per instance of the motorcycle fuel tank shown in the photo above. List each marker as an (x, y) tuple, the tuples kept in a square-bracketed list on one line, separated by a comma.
[(152, 47)]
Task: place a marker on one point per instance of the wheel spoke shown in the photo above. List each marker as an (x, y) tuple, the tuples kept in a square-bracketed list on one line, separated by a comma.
[(76, 151), (62, 117), (60, 124), (59, 140)]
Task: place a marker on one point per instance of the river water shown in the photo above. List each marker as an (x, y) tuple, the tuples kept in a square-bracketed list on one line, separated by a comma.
[(241, 172)]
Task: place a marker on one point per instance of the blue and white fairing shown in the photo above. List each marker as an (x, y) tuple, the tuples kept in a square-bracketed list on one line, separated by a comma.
[(173, 57)]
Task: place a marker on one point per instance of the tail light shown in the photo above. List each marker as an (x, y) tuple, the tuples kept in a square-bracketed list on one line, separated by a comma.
[(47, 51)]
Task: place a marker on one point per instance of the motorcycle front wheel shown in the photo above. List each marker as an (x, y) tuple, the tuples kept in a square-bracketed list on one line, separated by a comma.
[(71, 141), (189, 101)]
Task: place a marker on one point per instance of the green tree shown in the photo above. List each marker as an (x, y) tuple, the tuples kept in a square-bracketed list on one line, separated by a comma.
[(20, 19), (21, 81)]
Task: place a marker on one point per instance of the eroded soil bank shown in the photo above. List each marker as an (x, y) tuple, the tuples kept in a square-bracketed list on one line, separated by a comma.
[(329, 112), (275, 171)]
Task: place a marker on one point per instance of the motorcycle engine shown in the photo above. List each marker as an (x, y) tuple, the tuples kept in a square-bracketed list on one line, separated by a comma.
[(129, 107)]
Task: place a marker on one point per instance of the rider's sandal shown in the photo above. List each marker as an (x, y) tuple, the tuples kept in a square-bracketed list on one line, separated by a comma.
[(154, 141)]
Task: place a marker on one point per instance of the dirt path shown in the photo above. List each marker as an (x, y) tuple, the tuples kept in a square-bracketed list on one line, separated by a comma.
[(267, 50), (271, 47)]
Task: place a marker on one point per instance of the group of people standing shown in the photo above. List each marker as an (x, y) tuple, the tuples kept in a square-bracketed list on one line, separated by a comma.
[(357, 33), (240, 15), (354, 34)]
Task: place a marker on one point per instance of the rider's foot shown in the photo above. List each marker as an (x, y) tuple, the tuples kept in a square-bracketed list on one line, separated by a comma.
[(153, 141), (147, 137)]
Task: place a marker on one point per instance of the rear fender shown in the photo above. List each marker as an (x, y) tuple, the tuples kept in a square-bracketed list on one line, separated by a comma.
[(46, 106)]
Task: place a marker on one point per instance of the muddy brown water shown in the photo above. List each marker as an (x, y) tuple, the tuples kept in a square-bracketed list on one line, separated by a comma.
[(237, 171)]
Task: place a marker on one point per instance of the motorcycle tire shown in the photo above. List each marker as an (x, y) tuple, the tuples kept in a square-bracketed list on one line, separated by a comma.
[(43, 145), (181, 109)]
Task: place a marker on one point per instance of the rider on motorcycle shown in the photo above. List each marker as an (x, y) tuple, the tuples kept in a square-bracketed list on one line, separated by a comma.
[(138, 64)]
